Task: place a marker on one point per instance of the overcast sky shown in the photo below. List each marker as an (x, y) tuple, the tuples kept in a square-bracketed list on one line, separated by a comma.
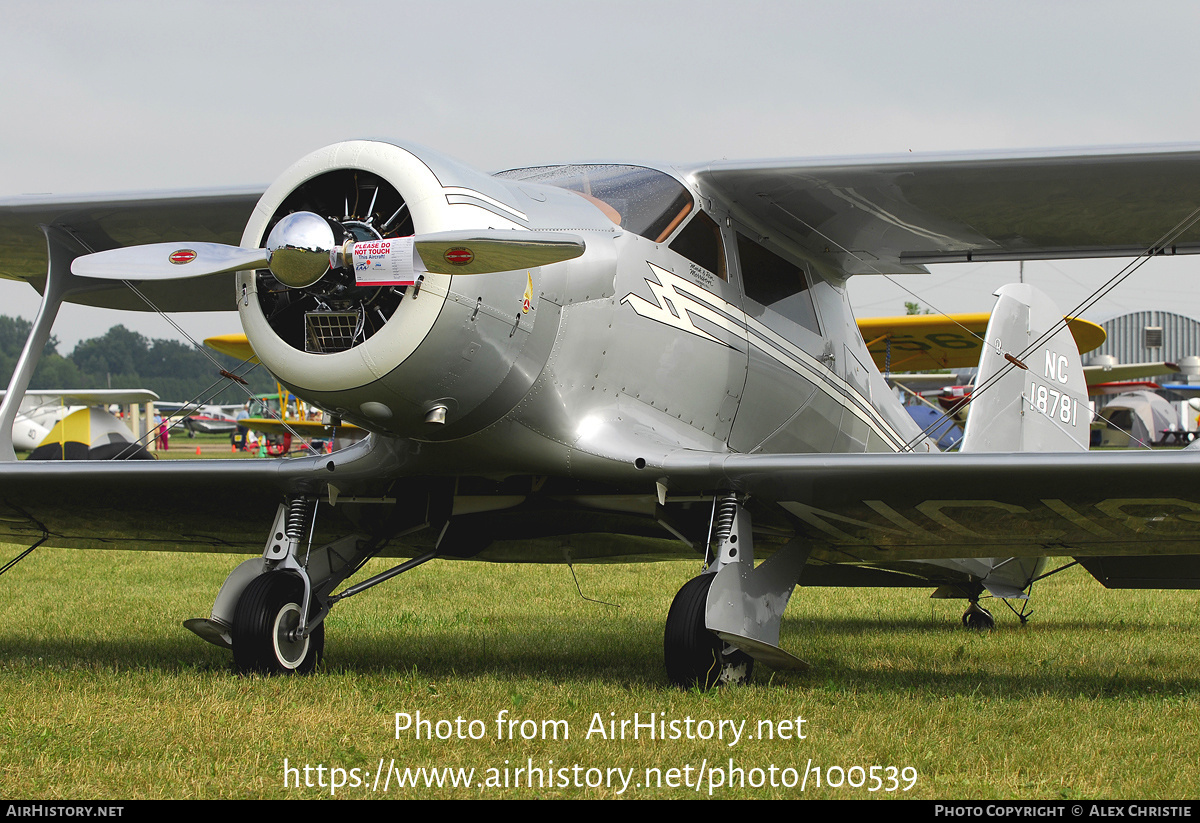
[(121, 96)]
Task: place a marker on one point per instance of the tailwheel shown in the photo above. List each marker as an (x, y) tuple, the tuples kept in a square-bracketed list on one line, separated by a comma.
[(264, 623), (696, 657), (978, 618)]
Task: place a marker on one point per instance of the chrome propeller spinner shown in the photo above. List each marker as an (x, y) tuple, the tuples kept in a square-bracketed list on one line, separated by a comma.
[(300, 249)]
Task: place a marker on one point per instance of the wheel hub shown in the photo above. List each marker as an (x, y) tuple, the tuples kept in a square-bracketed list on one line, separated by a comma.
[(290, 650)]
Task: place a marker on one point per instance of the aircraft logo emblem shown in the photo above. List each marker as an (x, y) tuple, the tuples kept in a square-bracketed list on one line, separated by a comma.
[(527, 302), (182, 256), (459, 256)]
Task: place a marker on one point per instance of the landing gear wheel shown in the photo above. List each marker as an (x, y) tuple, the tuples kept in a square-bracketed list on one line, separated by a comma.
[(978, 618), (694, 655), (263, 622)]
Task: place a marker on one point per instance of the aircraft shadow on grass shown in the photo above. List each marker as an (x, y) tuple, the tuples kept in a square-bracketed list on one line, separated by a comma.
[(624, 658)]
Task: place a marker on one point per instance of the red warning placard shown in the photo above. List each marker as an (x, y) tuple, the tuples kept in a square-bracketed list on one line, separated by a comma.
[(384, 262)]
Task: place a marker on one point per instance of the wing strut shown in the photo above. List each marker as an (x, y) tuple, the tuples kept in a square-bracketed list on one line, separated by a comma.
[(61, 249)]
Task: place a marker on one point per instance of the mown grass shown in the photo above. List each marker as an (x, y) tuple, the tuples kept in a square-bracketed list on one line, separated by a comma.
[(107, 696)]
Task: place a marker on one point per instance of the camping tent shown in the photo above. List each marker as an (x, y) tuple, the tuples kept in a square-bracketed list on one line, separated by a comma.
[(90, 434), (1137, 418)]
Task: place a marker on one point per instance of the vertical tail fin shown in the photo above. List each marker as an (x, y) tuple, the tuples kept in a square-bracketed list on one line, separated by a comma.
[(1030, 394)]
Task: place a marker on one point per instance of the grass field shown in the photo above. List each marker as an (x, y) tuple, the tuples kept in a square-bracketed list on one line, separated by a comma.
[(107, 696)]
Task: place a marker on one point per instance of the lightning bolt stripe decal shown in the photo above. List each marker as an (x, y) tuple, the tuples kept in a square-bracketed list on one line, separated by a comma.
[(678, 302)]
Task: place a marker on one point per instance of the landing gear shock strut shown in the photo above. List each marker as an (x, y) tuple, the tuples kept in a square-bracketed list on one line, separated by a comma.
[(728, 617)]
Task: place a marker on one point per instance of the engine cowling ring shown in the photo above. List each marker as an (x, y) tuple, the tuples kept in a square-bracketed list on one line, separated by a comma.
[(373, 358), (451, 356)]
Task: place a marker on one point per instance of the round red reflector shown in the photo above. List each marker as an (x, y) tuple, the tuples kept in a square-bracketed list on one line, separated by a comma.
[(459, 256), (182, 256)]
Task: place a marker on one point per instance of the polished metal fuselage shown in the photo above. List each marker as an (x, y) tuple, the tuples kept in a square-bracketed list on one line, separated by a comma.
[(599, 367)]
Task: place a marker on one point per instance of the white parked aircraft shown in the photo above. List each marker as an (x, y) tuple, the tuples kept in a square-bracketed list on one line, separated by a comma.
[(40, 410)]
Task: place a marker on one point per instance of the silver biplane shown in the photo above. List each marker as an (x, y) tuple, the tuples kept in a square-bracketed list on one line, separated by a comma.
[(607, 362)]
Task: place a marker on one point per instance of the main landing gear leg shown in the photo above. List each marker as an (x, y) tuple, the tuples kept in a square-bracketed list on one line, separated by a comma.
[(728, 617), (269, 612), (277, 627)]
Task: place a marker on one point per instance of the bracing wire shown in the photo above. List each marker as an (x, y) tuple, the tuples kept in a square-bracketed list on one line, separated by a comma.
[(199, 347)]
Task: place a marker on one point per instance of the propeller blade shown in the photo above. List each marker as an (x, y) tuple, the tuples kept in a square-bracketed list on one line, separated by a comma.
[(482, 252), (299, 261), (167, 261)]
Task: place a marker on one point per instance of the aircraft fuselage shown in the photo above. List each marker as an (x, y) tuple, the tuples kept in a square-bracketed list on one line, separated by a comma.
[(583, 367)]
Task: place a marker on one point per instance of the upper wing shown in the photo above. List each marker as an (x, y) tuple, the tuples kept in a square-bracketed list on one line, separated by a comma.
[(109, 221), (1185, 389), (892, 214), (1098, 375), (918, 342), (234, 345)]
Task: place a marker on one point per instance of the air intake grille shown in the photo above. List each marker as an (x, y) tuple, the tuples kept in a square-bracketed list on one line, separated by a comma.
[(329, 332)]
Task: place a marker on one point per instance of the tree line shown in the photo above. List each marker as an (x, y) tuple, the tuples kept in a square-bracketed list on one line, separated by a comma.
[(124, 359)]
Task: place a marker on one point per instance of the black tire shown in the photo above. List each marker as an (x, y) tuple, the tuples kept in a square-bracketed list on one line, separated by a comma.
[(979, 619), (268, 607), (694, 655)]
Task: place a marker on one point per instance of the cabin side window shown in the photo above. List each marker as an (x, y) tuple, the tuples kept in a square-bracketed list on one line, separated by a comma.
[(700, 242), (776, 283)]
